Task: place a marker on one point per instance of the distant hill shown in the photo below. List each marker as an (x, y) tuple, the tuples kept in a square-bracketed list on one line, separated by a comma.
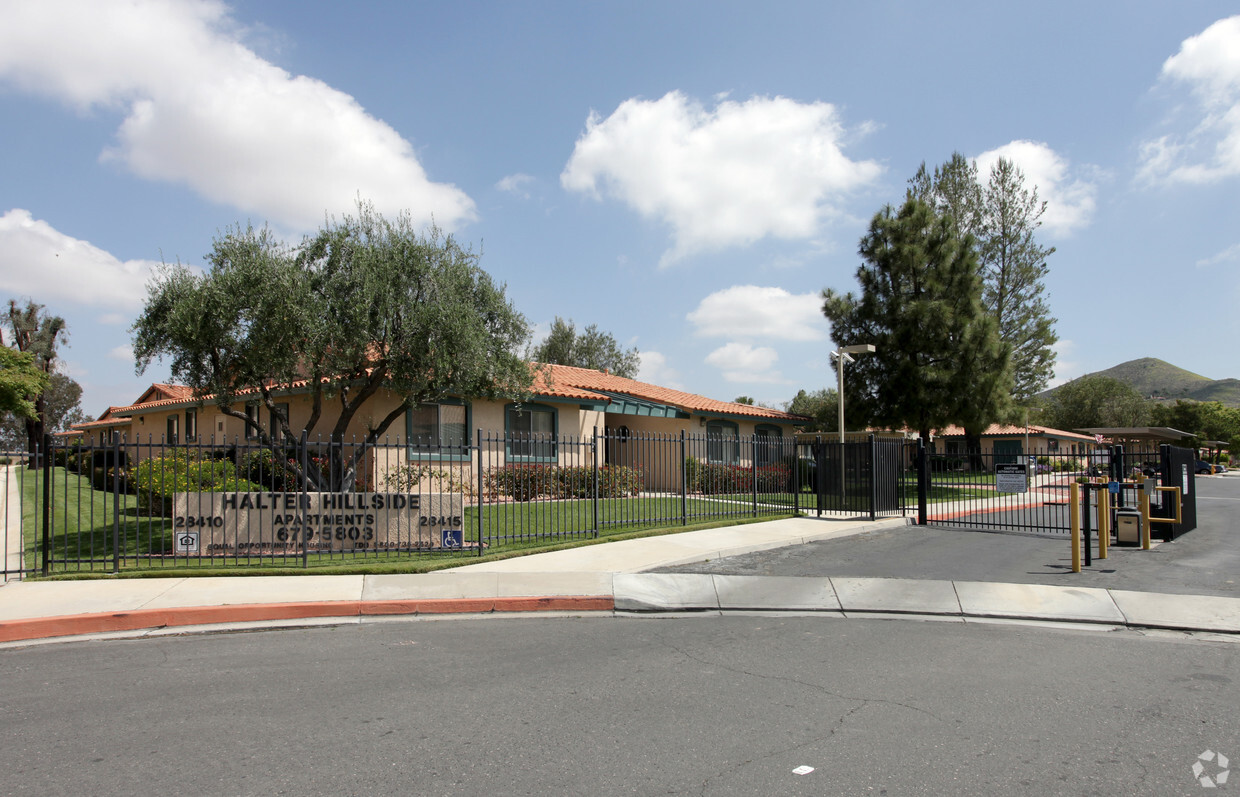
[(1162, 381), (1155, 378), (1224, 390)]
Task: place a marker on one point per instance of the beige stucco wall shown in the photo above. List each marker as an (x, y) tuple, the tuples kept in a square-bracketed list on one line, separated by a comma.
[(647, 448)]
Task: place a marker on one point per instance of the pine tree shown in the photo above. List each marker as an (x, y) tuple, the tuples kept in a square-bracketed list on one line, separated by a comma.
[(939, 357), (1013, 272)]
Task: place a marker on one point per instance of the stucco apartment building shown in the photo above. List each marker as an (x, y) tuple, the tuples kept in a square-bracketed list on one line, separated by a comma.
[(568, 404)]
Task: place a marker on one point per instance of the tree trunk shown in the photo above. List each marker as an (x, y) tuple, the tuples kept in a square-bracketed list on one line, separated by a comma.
[(973, 448)]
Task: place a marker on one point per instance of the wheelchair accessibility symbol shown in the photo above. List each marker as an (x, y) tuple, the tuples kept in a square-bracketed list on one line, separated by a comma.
[(186, 542), (452, 538)]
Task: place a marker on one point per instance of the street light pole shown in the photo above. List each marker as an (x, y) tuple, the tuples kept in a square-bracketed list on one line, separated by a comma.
[(841, 356)]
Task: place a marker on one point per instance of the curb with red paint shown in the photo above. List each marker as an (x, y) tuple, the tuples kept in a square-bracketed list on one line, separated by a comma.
[(149, 619)]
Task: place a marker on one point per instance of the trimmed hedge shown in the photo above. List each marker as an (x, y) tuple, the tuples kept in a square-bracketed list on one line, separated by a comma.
[(527, 482), (717, 479)]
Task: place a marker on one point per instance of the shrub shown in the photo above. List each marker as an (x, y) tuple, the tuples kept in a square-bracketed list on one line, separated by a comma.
[(263, 467), (158, 479), (520, 482), (527, 482), (618, 481), (103, 479), (716, 479), (409, 478)]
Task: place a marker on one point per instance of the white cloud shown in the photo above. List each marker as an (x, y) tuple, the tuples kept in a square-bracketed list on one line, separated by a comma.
[(654, 368), (515, 184), (719, 177), (741, 362), (1070, 198), (1229, 255), (122, 353), (1066, 368), (751, 311), (38, 261), (1209, 65), (203, 110)]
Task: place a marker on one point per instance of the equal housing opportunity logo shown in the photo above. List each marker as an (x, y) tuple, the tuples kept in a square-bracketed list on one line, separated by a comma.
[(1211, 769)]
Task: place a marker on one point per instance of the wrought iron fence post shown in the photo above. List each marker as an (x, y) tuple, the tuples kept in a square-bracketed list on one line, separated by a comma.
[(1087, 523), (46, 462), (594, 493), (873, 478), (480, 492), (796, 476), (116, 504), (305, 483), (753, 469), (1117, 471), (923, 482), (684, 482)]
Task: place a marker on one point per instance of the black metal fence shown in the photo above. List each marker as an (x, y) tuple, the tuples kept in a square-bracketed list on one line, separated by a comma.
[(855, 478), (150, 503), (1028, 491)]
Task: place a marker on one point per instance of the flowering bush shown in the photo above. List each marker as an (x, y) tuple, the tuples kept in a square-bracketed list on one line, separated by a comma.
[(158, 479)]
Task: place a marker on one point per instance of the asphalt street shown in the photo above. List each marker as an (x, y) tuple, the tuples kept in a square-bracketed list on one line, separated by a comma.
[(700, 706), (1205, 561)]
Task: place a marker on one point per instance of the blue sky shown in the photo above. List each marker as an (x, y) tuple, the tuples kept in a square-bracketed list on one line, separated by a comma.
[(689, 176)]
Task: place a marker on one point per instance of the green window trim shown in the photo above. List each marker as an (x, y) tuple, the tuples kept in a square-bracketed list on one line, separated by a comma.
[(531, 432), (418, 445), (723, 444)]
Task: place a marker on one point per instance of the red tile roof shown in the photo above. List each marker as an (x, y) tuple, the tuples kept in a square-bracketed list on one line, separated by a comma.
[(560, 381), (1007, 430), (570, 382)]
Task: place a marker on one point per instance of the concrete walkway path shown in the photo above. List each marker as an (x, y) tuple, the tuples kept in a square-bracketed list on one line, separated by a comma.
[(605, 578)]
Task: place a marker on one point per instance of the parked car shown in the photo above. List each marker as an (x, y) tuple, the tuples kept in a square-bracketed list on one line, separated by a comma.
[(1220, 468), (1204, 468)]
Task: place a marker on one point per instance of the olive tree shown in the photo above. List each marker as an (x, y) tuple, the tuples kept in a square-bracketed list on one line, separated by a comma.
[(365, 304)]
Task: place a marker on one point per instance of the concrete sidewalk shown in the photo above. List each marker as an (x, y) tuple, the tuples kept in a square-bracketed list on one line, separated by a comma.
[(600, 578)]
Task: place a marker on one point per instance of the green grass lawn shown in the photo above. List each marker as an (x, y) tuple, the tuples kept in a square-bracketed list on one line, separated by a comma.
[(85, 522), (84, 532)]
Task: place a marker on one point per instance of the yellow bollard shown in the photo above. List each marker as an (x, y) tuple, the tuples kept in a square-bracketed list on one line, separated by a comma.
[(1145, 520), (1104, 522), (1074, 509)]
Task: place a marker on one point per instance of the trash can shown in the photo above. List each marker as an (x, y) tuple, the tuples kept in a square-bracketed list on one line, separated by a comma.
[(1127, 526)]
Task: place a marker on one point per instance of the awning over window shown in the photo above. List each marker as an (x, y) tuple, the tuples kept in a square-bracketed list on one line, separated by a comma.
[(628, 405)]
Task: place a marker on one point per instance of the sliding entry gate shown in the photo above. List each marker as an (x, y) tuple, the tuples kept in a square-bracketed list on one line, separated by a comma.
[(1010, 490)]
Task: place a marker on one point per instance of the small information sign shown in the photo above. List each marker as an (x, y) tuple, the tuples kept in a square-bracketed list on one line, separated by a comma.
[(1012, 477), (1113, 488), (186, 542), (453, 538)]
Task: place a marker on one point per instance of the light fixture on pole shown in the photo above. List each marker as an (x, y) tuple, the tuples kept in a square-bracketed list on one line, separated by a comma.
[(841, 356)]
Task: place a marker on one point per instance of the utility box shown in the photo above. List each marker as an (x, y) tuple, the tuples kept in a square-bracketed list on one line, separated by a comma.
[(1127, 526)]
